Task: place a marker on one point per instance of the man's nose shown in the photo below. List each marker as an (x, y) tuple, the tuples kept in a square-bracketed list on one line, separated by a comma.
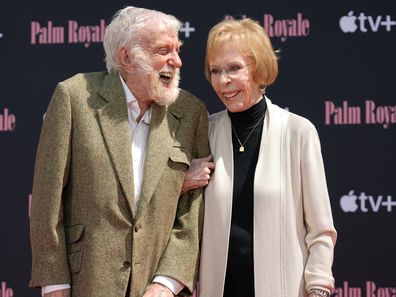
[(175, 60)]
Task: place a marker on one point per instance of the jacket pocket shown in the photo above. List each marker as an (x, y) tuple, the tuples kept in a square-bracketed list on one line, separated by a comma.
[(74, 233), (180, 155), (75, 261)]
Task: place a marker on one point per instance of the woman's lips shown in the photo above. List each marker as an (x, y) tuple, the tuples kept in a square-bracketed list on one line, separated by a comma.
[(230, 95)]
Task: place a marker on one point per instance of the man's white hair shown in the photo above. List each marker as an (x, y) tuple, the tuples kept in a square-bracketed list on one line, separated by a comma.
[(129, 28)]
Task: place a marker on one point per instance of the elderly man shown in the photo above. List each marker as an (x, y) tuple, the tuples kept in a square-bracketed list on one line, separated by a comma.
[(107, 215)]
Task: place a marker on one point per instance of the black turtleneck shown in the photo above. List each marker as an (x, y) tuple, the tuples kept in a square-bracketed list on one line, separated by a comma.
[(240, 275)]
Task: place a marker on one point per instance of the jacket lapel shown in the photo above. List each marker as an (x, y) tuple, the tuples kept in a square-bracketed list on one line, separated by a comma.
[(113, 118), (161, 138)]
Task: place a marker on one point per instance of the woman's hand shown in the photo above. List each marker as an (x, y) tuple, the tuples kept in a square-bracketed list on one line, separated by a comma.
[(198, 174)]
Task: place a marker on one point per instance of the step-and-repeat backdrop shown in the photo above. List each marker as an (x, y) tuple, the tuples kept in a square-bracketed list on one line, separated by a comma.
[(337, 68)]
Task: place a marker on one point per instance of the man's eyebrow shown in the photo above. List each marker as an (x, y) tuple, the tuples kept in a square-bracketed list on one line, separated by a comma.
[(166, 45)]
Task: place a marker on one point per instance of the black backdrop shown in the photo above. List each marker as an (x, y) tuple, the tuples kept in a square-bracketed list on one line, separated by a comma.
[(342, 81)]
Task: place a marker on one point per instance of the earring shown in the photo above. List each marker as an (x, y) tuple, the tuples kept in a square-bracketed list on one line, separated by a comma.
[(262, 87)]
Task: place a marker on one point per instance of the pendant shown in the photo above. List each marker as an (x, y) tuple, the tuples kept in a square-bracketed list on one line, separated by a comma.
[(241, 149)]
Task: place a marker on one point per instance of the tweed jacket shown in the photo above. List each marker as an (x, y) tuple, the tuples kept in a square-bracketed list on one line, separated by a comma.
[(84, 228), (293, 233)]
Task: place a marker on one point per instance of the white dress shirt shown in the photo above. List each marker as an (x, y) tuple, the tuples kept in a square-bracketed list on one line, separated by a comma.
[(139, 133)]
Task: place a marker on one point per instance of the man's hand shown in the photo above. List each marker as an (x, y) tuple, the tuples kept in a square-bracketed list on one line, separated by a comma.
[(198, 174), (157, 290), (59, 293)]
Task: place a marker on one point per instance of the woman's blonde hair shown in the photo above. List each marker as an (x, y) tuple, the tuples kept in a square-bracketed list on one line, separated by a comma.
[(252, 40)]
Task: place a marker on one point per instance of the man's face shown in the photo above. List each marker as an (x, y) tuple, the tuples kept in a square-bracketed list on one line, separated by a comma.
[(164, 69), (164, 52)]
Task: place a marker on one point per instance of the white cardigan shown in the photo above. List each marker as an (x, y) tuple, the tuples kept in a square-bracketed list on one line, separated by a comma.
[(294, 236)]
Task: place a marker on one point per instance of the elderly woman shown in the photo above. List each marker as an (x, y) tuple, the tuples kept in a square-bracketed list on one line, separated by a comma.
[(268, 228)]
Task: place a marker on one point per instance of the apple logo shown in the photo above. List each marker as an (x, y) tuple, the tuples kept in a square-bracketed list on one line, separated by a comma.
[(348, 23), (348, 202)]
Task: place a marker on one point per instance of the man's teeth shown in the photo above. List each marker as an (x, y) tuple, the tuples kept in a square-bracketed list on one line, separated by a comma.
[(230, 95), (166, 74)]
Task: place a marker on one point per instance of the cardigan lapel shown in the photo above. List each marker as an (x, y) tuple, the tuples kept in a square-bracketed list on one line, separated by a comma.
[(218, 208), (113, 118), (269, 201), (228, 164)]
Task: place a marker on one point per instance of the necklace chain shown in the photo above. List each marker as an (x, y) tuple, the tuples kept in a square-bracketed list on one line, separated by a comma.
[(242, 145)]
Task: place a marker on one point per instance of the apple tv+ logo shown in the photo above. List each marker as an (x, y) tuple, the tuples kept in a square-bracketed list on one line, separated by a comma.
[(351, 202), (366, 23)]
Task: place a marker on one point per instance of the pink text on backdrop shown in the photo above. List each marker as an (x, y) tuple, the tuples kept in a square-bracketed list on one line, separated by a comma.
[(6, 292), (283, 28), (7, 121), (76, 33), (374, 114), (371, 289)]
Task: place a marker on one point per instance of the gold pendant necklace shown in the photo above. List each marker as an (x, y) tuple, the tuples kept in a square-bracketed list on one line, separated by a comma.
[(242, 145)]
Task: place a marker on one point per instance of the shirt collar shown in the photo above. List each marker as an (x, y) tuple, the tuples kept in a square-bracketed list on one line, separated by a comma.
[(133, 105)]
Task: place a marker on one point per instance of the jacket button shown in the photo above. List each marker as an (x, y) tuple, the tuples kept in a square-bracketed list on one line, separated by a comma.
[(127, 264), (137, 228)]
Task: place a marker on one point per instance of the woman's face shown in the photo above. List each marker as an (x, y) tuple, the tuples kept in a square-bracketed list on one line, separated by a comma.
[(231, 78)]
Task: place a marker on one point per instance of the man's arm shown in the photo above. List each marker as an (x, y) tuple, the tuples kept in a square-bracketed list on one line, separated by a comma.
[(182, 252), (56, 291), (170, 283), (49, 260)]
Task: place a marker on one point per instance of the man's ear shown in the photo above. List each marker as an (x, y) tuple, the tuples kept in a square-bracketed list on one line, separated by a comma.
[(125, 59)]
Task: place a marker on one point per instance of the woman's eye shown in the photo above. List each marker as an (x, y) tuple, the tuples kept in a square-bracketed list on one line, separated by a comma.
[(215, 71), (234, 68)]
